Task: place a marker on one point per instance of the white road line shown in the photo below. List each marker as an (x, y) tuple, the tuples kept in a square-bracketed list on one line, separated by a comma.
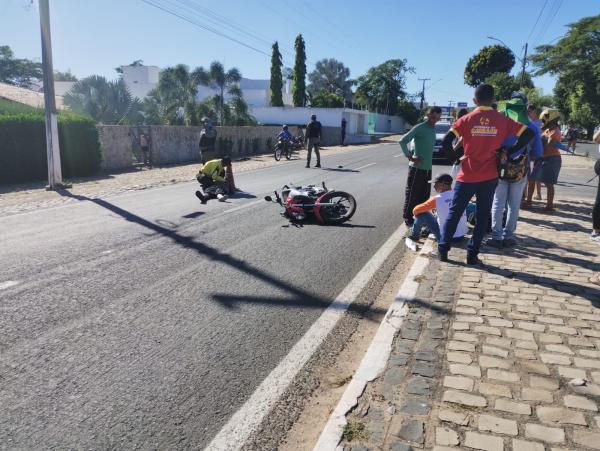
[(8, 284), (374, 361), (396, 156), (245, 421), (249, 204), (365, 166)]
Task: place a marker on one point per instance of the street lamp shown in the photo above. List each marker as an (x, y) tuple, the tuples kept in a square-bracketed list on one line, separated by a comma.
[(523, 61)]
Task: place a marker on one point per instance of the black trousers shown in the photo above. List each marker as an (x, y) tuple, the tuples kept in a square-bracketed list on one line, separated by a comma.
[(417, 190)]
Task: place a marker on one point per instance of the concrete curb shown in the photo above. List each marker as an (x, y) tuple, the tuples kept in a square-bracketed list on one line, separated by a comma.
[(374, 361)]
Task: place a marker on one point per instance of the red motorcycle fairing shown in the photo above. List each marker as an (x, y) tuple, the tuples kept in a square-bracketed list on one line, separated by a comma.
[(317, 209)]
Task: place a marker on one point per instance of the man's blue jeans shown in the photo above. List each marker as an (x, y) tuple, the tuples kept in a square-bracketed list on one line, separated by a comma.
[(508, 195), (463, 192), (428, 220)]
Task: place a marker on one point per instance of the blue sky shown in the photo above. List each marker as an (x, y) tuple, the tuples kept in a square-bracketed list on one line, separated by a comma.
[(436, 37)]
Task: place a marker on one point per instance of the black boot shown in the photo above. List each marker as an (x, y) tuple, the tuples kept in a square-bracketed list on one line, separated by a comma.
[(472, 259), (200, 196), (442, 255)]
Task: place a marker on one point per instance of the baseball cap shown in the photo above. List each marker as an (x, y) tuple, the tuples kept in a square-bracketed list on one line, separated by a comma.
[(443, 178)]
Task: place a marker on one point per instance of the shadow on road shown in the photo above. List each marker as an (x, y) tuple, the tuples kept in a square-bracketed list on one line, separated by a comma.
[(340, 170), (193, 215), (300, 297)]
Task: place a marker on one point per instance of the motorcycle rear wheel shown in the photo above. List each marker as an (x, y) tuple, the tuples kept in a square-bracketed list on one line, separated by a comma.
[(343, 209)]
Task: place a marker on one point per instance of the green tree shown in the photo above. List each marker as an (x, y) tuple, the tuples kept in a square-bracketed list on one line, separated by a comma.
[(331, 76), (575, 59), (505, 84), (382, 87), (64, 76), (408, 111), (222, 81), (276, 83), (173, 101), (537, 98), (287, 73), (489, 60), (299, 77), (325, 99), (108, 102), (18, 71)]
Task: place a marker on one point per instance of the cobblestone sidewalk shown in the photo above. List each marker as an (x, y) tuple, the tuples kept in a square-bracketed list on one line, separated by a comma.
[(20, 198), (505, 356)]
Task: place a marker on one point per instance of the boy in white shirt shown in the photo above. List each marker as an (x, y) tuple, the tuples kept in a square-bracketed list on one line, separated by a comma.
[(424, 217)]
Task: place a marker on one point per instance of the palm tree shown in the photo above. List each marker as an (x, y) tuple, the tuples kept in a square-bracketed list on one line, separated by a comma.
[(216, 78), (108, 102), (173, 101)]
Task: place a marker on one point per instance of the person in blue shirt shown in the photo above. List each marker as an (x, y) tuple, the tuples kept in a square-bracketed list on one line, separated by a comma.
[(509, 192), (284, 133)]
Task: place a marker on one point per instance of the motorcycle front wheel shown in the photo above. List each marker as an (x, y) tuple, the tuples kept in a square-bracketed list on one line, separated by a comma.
[(277, 153), (342, 207)]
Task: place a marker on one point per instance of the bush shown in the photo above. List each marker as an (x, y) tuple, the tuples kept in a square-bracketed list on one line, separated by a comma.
[(23, 147)]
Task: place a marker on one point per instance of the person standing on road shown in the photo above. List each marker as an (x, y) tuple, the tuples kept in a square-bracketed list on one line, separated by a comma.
[(548, 167), (343, 130), (511, 185), (419, 169), (313, 138), (145, 145), (208, 138), (483, 132), (596, 211)]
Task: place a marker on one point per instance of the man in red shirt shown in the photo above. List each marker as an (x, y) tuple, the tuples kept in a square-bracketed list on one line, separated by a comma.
[(482, 131)]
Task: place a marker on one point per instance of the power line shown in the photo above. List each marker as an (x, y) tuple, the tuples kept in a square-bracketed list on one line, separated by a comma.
[(204, 27), (537, 20), (219, 19), (550, 19)]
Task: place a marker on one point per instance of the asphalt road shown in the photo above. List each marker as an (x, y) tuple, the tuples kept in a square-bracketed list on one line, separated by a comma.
[(145, 320)]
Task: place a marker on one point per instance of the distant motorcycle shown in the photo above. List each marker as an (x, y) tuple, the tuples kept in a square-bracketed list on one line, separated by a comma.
[(285, 147), (329, 207)]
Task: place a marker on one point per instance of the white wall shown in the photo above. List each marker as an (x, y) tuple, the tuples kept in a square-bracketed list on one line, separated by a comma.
[(140, 79), (357, 121), (389, 124)]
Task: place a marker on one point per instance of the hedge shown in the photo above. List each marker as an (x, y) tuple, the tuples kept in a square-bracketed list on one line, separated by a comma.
[(23, 147)]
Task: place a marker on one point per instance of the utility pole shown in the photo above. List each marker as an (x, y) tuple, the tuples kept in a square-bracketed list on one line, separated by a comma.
[(423, 92), (524, 64), (52, 145)]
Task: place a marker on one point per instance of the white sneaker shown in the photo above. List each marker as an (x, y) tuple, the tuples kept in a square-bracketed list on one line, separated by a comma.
[(222, 197), (412, 245), (596, 238), (594, 235)]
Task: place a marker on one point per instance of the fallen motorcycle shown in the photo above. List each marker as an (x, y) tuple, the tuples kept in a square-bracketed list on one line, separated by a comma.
[(329, 207)]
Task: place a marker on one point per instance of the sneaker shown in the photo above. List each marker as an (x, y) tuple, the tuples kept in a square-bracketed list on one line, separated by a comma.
[(318, 165), (307, 165), (222, 197), (472, 259), (498, 244), (509, 242), (594, 236), (411, 243), (200, 196), (431, 236)]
